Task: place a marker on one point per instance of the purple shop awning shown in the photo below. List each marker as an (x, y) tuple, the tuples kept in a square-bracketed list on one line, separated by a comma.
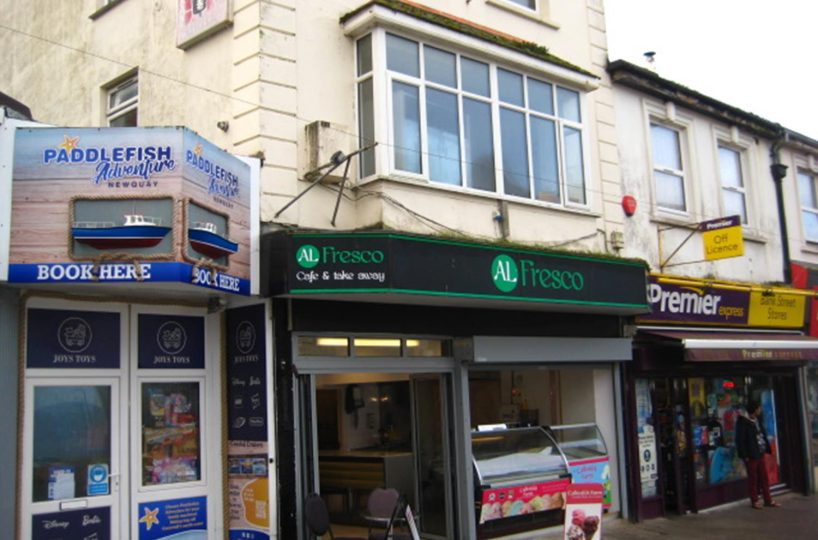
[(739, 346)]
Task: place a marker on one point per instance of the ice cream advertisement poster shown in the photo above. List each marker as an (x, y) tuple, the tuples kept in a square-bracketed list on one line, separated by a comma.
[(593, 471), (520, 500), (583, 512)]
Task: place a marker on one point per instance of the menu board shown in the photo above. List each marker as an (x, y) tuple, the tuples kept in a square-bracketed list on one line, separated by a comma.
[(171, 451)]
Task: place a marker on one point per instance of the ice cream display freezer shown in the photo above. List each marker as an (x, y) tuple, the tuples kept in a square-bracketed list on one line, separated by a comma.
[(520, 480)]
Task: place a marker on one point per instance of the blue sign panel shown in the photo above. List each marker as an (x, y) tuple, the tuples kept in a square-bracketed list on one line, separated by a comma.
[(86, 523), (248, 534), (171, 342), (246, 373), (98, 479), (156, 272), (179, 518), (72, 339)]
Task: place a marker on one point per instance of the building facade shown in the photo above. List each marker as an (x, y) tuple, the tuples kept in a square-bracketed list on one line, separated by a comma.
[(715, 201), (441, 231)]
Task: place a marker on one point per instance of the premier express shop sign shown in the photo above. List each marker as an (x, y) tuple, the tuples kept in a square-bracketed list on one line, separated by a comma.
[(336, 264), (699, 303)]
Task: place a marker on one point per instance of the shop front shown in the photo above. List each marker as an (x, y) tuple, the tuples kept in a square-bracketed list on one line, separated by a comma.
[(476, 381), (703, 352), (130, 261), (805, 276)]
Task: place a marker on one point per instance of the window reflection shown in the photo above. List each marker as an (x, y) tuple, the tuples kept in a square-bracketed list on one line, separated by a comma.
[(72, 434)]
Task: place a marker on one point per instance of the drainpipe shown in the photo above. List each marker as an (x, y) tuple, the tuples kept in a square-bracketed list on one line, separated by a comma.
[(779, 171)]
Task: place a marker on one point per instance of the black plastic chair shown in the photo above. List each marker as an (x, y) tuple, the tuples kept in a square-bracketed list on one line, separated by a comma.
[(317, 517)]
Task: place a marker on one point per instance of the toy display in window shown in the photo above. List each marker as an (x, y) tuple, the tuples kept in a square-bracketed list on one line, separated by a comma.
[(170, 433)]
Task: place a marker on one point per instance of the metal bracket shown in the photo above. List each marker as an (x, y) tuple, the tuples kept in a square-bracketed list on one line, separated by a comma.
[(660, 230), (337, 159)]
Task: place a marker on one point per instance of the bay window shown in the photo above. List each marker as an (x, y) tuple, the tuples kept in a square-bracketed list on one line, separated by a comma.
[(450, 119)]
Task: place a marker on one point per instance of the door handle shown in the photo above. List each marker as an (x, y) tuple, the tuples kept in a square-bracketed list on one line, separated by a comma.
[(113, 478)]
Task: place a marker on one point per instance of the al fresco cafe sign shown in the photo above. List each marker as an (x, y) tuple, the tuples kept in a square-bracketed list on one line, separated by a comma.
[(332, 264), (698, 303)]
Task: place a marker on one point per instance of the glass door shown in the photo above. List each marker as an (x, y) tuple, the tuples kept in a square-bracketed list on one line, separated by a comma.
[(432, 455), (73, 458)]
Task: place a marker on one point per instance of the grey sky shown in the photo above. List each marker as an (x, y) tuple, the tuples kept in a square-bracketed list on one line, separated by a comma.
[(755, 55)]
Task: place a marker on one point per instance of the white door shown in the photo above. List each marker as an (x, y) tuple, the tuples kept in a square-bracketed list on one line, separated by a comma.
[(116, 423), (73, 463)]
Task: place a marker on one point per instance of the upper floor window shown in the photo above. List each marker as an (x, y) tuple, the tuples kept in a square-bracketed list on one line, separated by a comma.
[(530, 4), (122, 101), (668, 169), (809, 205), (465, 122), (732, 183)]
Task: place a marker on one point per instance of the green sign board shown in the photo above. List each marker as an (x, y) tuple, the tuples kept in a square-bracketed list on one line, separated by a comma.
[(382, 263)]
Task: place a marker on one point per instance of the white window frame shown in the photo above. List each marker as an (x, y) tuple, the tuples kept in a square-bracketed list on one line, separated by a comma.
[(519, 4), (813, 175), (666, 115), (121, 109), (740, 190), (383, 80)]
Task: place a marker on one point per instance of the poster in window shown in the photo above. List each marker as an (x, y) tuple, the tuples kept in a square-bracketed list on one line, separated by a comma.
[(197, 19), (171, 451)]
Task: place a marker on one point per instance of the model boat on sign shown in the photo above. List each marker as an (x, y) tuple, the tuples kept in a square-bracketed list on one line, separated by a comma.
[(205, 239), (137, 231)]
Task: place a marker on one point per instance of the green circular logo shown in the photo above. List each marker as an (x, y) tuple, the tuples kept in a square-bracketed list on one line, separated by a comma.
[(504, 273), (307, 256)]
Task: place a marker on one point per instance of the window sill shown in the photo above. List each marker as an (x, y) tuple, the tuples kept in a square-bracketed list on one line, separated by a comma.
[(682, 221), (104, 9), (810, 246), (523, 12), (476, 193)]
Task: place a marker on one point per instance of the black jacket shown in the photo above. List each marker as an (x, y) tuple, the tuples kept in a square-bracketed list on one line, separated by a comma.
[(747, 438)]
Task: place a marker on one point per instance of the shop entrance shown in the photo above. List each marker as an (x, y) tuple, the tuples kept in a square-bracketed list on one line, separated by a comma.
[(388, 428), (115, 423), (694, 421)]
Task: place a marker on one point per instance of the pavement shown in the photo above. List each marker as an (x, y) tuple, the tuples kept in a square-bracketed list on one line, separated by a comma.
[(796, 518)]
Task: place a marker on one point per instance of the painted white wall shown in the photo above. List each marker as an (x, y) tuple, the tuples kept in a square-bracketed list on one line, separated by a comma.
[(762, 244), (283, 65)]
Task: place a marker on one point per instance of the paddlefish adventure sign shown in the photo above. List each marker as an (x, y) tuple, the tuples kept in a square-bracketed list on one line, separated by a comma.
[(130, 205)]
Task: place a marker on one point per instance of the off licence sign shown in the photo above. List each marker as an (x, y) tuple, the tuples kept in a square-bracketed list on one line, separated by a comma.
[(722, 238)]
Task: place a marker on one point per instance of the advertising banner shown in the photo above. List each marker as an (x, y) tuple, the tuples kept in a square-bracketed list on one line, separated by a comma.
[(196, 19), (722, 238), (248, 471), (593, 471), (92, 205), (72, 339), (177, 518), (86, 523), (583, 512), (171, 342), (519, 500)]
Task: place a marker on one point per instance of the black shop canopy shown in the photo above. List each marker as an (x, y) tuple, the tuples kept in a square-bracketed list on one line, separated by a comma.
[(736, 346)]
